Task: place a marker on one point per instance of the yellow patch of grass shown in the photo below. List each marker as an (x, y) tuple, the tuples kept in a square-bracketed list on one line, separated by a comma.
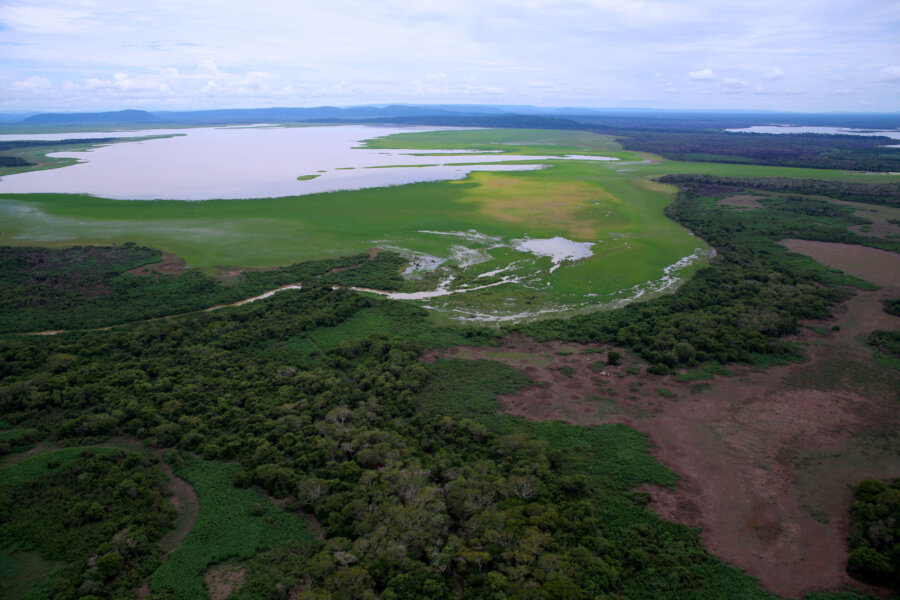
[(645, 183), (549, 203)]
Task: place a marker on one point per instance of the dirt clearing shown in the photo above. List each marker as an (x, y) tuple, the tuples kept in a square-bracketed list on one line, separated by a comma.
[(875, 266), (223, 579), (170, 264)]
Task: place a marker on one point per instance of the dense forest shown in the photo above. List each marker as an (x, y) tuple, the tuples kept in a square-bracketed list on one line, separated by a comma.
[(98, 512), (421, 489), (819, 151), (851, 191), (875, 538), (95, 286), (415, 504)]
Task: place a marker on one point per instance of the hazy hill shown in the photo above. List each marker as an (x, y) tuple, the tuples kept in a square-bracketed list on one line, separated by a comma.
[(610, 120), (281, 114), (119, 116)]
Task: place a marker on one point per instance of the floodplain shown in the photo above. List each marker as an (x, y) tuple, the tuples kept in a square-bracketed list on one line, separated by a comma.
[(570, 228), (566, 234)]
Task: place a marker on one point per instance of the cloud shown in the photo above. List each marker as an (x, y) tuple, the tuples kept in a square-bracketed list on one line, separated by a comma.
[(33, 83), (208, 67), (167, 86), (891, 74), (733, 84), (47, 19), (702, 75), (773, 74), (577, 52)]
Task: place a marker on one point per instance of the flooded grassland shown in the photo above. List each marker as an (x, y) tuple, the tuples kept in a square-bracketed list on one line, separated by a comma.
[(496, 224)]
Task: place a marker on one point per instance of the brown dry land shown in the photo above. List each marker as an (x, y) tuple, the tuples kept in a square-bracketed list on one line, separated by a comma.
[(879, 214), (223, 579), (875, 266), (765, 456), (170, 264)]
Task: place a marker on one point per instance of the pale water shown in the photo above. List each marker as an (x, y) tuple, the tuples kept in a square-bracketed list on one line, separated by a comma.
[(254, 162), (891, 133)]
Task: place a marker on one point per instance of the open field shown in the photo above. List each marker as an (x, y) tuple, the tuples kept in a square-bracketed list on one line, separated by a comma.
[(885, 220), (870, 264), (508, 141)]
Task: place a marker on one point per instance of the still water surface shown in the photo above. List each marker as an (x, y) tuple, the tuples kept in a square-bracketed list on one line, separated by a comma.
[(891, 133), (254, 162)]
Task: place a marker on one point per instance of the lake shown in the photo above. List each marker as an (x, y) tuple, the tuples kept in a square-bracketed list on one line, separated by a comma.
[(894, 134), (249, 162)]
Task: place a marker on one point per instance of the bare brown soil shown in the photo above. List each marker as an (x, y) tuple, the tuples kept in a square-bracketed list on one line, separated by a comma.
[(880, 216), (223, 579), (766, 457), (186, 503), (170, 264), (875, 266), (742, 201)]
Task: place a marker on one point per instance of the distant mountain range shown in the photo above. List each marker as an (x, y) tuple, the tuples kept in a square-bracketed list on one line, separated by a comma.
[(121, 116), (478, 115)]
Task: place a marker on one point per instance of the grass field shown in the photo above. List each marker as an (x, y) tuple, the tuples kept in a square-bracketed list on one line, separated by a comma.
[(611, 204), (233, 524)]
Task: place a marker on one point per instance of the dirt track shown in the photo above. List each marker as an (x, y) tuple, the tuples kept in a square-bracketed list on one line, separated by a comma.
[(765, 457)]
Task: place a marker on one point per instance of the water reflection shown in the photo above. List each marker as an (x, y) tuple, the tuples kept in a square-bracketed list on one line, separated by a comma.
[(230, 163)]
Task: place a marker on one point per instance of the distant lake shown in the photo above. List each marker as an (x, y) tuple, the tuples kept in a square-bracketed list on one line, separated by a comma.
[(247, 162), (827, 130)]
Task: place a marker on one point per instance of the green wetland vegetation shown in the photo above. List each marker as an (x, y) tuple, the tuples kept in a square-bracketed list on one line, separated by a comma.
[(233, 524), (613, 205), (330, 461)]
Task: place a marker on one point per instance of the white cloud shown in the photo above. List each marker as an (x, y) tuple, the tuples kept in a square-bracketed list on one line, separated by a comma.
[(890, 74), (47, 19), (33, 83), (773, 74), (207, 67), (735, 85), (578, 52), (702, 75)]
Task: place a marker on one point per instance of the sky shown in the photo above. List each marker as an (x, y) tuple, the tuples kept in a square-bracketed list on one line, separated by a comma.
[(788, 55)]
